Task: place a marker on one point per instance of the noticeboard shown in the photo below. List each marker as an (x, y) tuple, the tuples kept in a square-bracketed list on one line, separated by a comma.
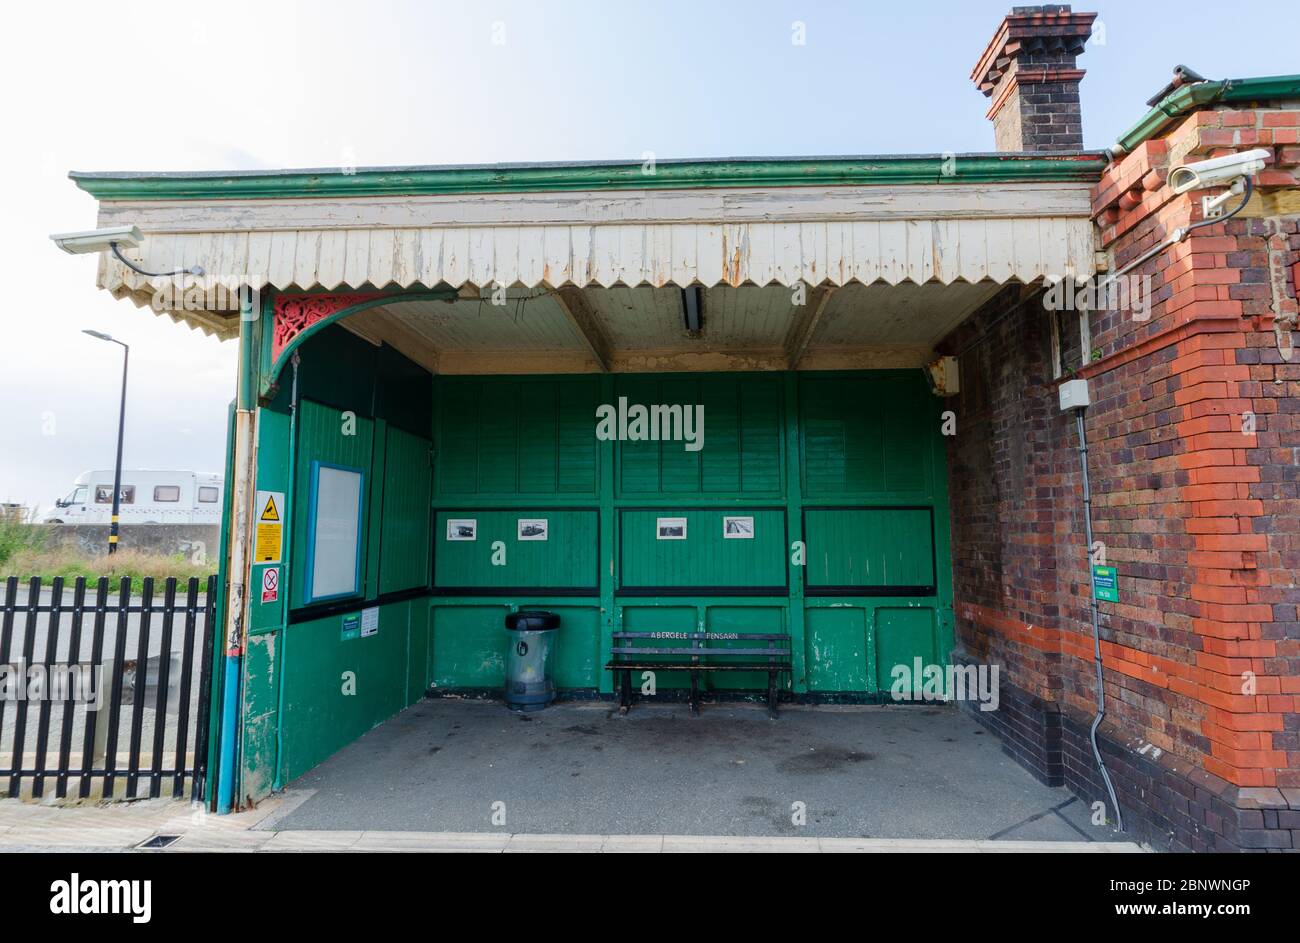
[(334, 532)]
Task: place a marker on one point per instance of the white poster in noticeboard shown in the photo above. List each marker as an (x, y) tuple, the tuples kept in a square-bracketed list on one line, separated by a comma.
[(335, 540)]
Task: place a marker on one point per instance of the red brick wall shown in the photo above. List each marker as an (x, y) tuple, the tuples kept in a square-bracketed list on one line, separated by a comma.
[(1201, 518)]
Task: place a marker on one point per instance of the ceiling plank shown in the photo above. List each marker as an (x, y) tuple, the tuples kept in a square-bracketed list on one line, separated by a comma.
[(583, 319), (805, 324), (378, 326)]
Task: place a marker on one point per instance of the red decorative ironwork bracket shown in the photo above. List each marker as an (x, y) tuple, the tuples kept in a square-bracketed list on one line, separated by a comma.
[(296, 313)]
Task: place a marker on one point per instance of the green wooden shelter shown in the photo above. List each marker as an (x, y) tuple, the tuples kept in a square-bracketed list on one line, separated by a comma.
[(425, 353)]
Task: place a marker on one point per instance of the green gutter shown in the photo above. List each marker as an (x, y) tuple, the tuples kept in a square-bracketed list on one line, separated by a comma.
[(526, 178), (1188, 98)]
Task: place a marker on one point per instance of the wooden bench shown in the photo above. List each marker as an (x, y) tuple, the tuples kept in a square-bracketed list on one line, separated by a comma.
[(703, 652)]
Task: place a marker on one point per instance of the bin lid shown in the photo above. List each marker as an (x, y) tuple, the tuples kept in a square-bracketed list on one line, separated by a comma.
[(532, 620)]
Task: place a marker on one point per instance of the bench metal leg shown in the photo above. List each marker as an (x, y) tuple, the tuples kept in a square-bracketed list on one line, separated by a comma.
[(771, 694), (695, 694), (625, 693)]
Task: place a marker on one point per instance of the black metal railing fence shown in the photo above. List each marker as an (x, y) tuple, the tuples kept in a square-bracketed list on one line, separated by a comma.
[(105, 695)]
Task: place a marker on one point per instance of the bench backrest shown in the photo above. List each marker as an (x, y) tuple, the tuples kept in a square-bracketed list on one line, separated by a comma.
[(775, 645)]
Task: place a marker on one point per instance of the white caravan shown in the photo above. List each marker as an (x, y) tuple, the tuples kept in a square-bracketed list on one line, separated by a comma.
[(148, 497)]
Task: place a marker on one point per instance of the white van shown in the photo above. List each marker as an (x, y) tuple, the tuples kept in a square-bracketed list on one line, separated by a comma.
[(148, 497)]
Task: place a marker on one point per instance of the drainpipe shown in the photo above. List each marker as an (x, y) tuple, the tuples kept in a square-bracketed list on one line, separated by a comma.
[(278, 782), (250, 327), (1096, 627)]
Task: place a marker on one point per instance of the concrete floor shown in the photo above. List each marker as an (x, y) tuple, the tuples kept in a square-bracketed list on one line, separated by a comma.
[(579, 768)]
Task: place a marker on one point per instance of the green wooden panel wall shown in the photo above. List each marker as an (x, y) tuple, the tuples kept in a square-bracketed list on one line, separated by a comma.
[(867, 435), (741, 453), (467, 645), (511, 447), (705, 558), (869, 548), (565, 560), (336, 689), (852, 646), (837, 653), (467, 642), (326, 435), (261, 714), (516, 436), (904, 634), (404, 529)]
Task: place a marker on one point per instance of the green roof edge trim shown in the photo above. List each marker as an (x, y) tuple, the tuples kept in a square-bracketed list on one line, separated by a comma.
[(526, 178), (1190, 97)]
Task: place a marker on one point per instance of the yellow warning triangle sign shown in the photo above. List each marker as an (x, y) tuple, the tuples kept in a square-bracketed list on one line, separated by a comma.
[(269, 513)]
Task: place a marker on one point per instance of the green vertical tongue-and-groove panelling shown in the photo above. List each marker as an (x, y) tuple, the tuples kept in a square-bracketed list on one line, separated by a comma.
[(851, 462), (879, 547), (404, 537), (706, 558), (871, 495), (334, 437), (516, 437), (337, 687), (499, 559), (362, 407)]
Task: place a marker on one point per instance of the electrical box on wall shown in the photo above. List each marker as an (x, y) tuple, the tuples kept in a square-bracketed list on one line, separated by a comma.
[(1074, 394), (943, 376)]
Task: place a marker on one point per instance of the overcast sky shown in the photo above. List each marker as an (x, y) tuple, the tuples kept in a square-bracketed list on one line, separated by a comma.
[(233, 85)]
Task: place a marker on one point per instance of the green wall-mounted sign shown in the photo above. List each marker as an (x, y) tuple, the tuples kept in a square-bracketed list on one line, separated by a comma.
[(1105, 584)]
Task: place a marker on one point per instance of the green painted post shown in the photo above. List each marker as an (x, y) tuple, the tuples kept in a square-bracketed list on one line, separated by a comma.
[(374, 541), (608, 540), (942, 535), (251, 329), (794, 525)]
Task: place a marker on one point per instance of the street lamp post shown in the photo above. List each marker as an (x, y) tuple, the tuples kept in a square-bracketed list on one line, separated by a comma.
[(121, 429)]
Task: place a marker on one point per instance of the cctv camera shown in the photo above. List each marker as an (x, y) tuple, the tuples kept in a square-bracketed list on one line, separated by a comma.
[(98, 240), (1218, 172)]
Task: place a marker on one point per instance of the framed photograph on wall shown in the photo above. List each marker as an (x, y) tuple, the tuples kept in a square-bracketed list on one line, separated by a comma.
[(738, 528), (670, 528), (462, 529), (533, 528)]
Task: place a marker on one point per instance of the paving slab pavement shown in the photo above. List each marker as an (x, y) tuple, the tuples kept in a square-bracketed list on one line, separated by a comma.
[(579, 768), (125, 827)]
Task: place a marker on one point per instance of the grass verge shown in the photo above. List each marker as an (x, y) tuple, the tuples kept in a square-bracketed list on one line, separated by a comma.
[(68, 563)]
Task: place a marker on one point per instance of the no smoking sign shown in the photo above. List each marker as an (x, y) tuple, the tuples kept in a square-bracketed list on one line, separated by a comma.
[(270, 584)]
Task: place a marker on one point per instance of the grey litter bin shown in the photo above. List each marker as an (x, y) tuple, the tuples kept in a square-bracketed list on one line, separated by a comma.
[(528, 669)]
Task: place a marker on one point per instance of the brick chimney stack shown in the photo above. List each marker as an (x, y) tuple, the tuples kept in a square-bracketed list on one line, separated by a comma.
[(1028, 71)]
